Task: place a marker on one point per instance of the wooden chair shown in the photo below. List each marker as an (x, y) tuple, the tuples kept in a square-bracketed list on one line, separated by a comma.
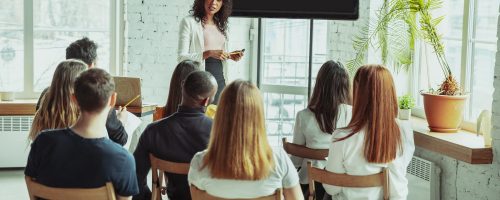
[(158, 114), (37, 190), (304, 152), (320, 175), (158, 168), (197, 194)]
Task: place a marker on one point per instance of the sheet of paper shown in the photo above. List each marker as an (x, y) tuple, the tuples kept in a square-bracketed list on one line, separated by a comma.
[(133, 122)]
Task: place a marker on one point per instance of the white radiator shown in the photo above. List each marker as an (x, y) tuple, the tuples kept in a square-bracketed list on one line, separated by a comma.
[(14, 146), (423, 180)]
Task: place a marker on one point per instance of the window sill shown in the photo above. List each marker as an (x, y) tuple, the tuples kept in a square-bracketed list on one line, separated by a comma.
[(27, 107), (463, 145), (18, 107)]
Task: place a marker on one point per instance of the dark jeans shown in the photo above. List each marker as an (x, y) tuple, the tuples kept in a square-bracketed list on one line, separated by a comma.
[(320, 191), (214, 66)]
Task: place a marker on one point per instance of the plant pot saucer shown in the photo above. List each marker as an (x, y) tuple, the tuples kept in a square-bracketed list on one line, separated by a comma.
[(444, 130)]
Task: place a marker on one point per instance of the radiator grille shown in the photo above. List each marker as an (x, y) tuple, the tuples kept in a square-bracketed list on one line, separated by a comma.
[(9, 124), (420, 168)]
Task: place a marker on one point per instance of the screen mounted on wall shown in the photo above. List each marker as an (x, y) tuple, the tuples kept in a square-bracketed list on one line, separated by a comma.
[(304, 9)]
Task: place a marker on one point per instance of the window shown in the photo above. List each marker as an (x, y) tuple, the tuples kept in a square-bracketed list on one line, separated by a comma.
[(469, 35), (286, 72), (33, 39)]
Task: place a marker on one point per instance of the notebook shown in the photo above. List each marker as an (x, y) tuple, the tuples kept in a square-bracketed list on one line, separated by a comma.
[(127, 88)]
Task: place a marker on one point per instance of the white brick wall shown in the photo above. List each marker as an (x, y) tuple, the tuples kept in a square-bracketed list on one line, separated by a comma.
[(341, 34), (151, 44)]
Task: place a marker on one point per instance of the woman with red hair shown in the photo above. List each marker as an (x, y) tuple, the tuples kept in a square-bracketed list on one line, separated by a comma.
[(374, 138)]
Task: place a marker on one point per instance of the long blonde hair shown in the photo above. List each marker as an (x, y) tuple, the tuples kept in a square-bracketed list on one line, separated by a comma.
[(375, 109), (56, 108), (238, 147)]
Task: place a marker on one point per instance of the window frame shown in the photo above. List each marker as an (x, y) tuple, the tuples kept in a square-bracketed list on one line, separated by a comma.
[(117, 40), (468, 41)]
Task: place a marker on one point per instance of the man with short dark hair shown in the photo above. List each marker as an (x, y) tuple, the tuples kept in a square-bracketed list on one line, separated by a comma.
[(86, 51), (178, 137), (82, 156)]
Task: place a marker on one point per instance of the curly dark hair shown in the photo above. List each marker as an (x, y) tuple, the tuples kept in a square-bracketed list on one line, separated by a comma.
[(84, 50), (220, 18)]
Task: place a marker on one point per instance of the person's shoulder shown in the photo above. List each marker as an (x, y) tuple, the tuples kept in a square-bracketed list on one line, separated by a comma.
[(54, 133), (198, 158), (188, 19), (305, 113), (346, 106), (340, 133)]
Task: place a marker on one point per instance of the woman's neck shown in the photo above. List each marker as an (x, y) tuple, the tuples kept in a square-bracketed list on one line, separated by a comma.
[(209, 19)]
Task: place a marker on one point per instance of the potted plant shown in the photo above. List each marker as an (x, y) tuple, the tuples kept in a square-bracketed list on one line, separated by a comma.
[(406, 103), (399, 23)]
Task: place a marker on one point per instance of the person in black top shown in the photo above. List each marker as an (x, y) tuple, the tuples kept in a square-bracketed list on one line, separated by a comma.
[(82, 156), (86, 51), (178, 137)]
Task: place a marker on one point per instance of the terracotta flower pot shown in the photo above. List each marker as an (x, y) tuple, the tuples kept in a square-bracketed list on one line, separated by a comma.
[(444, 113)]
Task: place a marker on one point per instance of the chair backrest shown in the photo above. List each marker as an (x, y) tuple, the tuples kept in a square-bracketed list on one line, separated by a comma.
[(37, 190), (158, 168), (197, 194), (158, 114), (320, 175), (304, 152)]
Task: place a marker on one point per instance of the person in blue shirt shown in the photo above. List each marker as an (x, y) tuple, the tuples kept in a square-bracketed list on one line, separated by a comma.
[(82, 156)]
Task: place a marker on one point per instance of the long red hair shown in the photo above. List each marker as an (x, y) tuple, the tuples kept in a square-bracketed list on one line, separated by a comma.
[(375, 109)]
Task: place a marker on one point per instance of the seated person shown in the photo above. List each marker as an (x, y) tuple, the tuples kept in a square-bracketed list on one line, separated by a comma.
[(178, 137), (181, 71), (86, 51), (374, 138), (328, 110), (82, 156), (57, 109), (239, 162)]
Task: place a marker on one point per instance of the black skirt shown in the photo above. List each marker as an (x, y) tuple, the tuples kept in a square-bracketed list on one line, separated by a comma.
[(214, 66)]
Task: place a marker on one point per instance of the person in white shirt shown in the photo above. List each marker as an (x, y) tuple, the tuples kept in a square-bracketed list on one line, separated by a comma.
[(328, 110), (239, 162), (203, 37), (374, 138)]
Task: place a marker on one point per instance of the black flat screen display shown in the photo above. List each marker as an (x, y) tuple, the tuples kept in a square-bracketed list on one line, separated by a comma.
[(304, 9)]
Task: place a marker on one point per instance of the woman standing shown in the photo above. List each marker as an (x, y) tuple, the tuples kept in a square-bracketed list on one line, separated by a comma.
[(203, 38)]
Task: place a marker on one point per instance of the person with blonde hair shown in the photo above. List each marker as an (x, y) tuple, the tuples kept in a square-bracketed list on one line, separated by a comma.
[(56, 109), (82, 155), (239, 162), (374, 139)]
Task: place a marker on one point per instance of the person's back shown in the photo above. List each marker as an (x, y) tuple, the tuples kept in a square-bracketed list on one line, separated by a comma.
[(349, 159), (283, 175), (327, 110), (374, 138), (66, 160), (178, 137), (239, 162), (82, 156)]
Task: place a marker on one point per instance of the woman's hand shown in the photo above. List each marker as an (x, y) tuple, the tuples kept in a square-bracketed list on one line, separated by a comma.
[(217, 54), (236, 55)]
